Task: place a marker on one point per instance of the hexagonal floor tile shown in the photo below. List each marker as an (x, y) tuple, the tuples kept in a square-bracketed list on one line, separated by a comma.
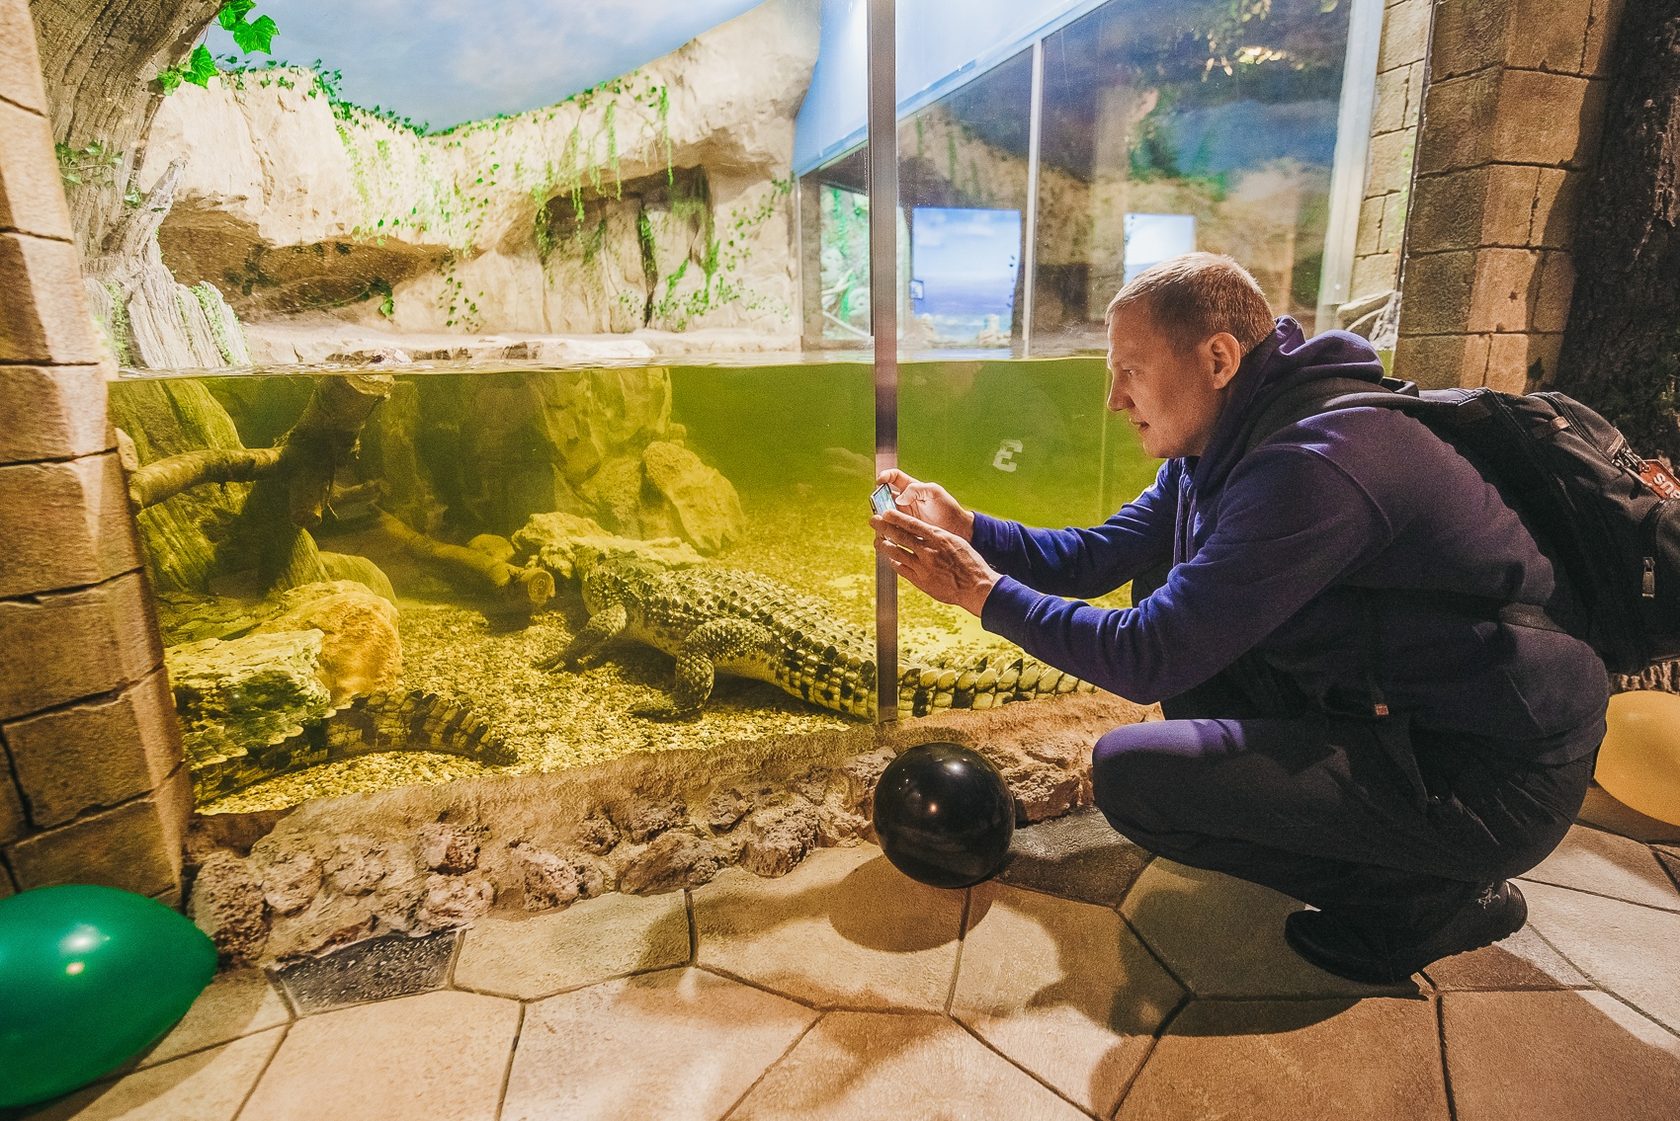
[(1078, 856), (1286, 1060), (844, 929), (1604, 812), (1064, 989), (863, 1066), (1584, 1056), (207, 1086), (1605, 864), (1224, 937), (1622, 947), (442, 1056), (682, 1045), (1522, 961), (238, 1003), (593, 940), (1669, 858)]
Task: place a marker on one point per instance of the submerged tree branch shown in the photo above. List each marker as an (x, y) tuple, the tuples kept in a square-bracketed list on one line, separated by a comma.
[(526, 588), (166, 478)]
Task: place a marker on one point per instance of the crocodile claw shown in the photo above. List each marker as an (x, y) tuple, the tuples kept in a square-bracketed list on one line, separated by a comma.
[(550, 661)]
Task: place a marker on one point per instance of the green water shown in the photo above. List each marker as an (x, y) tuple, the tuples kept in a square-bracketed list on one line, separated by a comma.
[(457, 454)]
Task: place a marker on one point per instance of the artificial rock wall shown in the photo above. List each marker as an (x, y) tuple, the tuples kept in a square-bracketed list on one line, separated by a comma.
[(1388, 166), (1513, 104), (92, 786)]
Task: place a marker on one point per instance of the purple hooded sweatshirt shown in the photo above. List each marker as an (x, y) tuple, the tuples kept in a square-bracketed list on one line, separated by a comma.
[(1272, 552)]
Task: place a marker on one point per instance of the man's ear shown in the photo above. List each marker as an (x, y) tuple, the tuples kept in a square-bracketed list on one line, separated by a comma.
[(1226, 354)]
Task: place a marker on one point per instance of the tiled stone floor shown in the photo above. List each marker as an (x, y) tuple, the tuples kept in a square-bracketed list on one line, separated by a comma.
[(1088, 981)]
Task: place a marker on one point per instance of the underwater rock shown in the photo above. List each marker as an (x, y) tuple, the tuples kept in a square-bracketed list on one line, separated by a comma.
[(227, 904), (705, 507), (361, 651), (449, 848), (778, 837), (614, 495), (672, 861), (291, 884), (238, 694), (345, 566), (561, 542), (452, 901)]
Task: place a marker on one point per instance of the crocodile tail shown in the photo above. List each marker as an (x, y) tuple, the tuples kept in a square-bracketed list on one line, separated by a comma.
[(985, 682), (413, 721)]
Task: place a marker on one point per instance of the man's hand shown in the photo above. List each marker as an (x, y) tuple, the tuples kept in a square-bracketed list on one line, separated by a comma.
[(930, 503), (937, 561)]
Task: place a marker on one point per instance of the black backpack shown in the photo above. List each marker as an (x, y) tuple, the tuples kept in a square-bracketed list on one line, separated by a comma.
[(1609, 518)]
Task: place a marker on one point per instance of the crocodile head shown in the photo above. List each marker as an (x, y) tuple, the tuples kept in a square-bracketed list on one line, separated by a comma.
[(611, 577)]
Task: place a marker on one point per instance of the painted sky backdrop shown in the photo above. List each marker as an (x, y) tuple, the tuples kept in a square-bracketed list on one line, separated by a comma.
[(448, 61)]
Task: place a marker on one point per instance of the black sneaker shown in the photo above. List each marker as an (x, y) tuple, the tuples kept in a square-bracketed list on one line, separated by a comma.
[(1382, 959)]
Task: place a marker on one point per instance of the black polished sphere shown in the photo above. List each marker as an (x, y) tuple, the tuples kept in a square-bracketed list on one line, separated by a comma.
[(944, 815)]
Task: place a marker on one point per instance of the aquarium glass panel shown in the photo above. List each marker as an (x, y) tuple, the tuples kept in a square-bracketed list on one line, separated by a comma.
[(426, 603), (1224, 114)]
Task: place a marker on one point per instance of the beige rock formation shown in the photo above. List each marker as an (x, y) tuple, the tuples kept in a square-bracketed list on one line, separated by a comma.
[(361, 652), (538, 223)]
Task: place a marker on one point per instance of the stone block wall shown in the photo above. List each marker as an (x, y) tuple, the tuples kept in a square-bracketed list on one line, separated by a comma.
[(92, 784), (1394, 129), (1513, 104)]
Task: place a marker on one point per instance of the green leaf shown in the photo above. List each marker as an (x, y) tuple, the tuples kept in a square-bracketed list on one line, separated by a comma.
[(169, 78), (201, 67), (233, 13), (255, 36)]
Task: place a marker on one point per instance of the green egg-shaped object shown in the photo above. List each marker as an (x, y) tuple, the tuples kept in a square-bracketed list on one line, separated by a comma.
[(89, 977)]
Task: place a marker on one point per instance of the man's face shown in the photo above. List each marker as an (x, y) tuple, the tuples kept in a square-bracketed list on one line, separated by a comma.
[(1172, 396)]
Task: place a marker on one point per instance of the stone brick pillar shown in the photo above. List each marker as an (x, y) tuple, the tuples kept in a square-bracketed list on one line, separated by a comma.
[(92, 784), (1394, 128), (1512, 109)]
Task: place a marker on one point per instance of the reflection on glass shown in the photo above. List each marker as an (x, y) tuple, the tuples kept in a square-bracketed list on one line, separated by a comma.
[(963, 265), (1153, 238), (1221, 114)]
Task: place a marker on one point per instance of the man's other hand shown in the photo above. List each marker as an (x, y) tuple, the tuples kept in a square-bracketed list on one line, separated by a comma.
[(937, 561), (930, 503)]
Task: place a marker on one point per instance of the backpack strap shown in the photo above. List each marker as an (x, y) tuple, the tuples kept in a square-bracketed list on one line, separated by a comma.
[(1321, 396), (1330, 394)]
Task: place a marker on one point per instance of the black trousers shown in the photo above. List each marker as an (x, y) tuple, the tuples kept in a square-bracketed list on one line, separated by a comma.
[(1320, 808)]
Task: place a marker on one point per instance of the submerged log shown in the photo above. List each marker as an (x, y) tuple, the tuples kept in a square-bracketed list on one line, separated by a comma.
[(307, 456), (523, 588), (325, 436), (166, 478)]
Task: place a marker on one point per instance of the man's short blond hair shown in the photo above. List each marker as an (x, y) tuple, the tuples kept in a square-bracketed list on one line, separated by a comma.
[(1196, 296)]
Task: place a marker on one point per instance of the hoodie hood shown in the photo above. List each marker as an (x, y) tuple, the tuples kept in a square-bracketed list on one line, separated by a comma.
[(1284, 359)]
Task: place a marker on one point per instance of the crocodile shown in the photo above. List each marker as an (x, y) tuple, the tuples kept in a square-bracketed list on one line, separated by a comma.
[(716, 620), (414, 721)]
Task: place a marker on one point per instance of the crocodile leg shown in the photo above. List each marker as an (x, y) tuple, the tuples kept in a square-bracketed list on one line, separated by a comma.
[(714, 644), (603, 626)]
